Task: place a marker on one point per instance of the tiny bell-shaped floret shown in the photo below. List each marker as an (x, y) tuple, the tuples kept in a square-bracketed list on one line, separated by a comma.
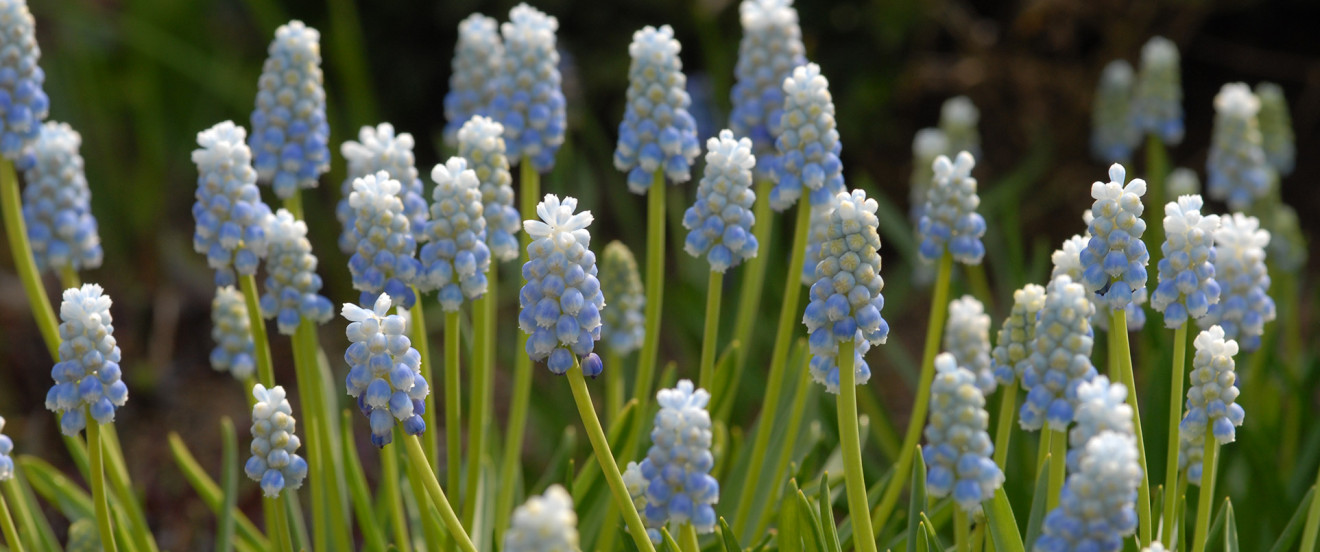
[(545, 523), (455, 258), (6, 449), (561, 301), (275, 463), (1276, 129), (1097, 508), (657, 132), (967, 337), (87, 375), (1244, 281), (677, 468), (720, 222), (1187, 285), (529, 96), (958, 119), (771, 47), (481, 143), (290, 136), (950, 219), (385, 256), (1236, 169), (292, 285), (1115, 258), (232, 331), (817, 229), (384, 370), (1157, 100), (228, 210), (1068, 260), (57, 204), (478, 59), (928, 144), (1011, 356), (1191, 455), (623, 325), (1113, 134), (1101, 406), (958, 448), (1212, 395), (808, 142), (1061, 359), (1182, 181), (379, 149), (23, 101)]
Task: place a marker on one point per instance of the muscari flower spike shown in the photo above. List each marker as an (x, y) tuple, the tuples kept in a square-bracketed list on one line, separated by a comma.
[(290, 135), (545, 523), (720, 222), (229, 212), (481, 143), (561, 301), (1113, 134), (1236, 169), (677, 468), (1061, 359), (384, 370), (1182, 181), (818, 228), (478, 59), (384, 259), (1011, 356), (1097, 508), (529, 96), (950, 219), (232, 331), (1101, 406), (958, 448), (623, 325), (928, 144), (1191, 455), (1212, 396), (6, 449), (1187, 285), (379, 149), (292, 285), (1157, 98), (958, 119), (967, 337), (57, 204), (770, 49), (1276, 130), (1068, 260), (845, 299), (657, 132), (1244, 281), (275, 463), (87, 376), (808, 142), (1115, 258), (455, 258), (23, 101)]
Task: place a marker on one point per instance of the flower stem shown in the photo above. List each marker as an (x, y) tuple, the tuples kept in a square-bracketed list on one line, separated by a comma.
[(939, 309), (1312, 528), (24, 265), (1175, 415), (1206, 501), (261, 347), (69, 278), (280, 515), (9, 529), (372, 536), (655, 290), (419, 336), (1004, 428), (1058, 465), (850, 441), (1157, 166), (438, 499), (480, 381), (714, 289), (687, 538), (961, 538), (1119, 348), (431, 526), (980, 285), (606, 458), (311, 410), (389, 474), (749, 300), (97, 467), (453, 406)]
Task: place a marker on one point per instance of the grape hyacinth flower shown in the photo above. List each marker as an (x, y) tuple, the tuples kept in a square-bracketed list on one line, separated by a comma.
[(958, 447), (1068, 260), (25, 103), (720, 222), (379, 149), (57, 204), (384, 370), (1113, 134), (808, 142), (1212, 397), (950, 220), (87, 376), (481, 143), (455, 258), (1276, 130), (292, 285), (657, 132), (1097, 509), (1011, 357), (6, 449), (818, 229), (636, 484), (623, 326), (384, 260), (275, 463), (770, 49), (290, 135), (232, 331), (1157, 98), (478, 59), (544, 523), (846, 298), (1182, 181), (677, 468), (229, 212), (561, 302), (529, 98), (1115, 258), (1187, 285), (927, 145), (1101, 406), (967, 337), (1191, 454), (958, 119), (1061, 360), (1236, 169), (1244, 304)]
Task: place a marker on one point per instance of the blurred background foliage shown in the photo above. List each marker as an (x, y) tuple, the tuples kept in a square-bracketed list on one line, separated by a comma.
[(139, 79)]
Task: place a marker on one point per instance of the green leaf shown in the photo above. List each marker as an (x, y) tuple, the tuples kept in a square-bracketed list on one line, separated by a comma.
[(917, 501), (669, 543), (57, 489), (224, 533), (1294, 528), (210, 493), (1038, 502), (728, 541), (808, 524), (826, 505), (1230, 528), (789, 539), (932, 534), (1003, 526), (922, 538), (1216, 533), (367, 520)]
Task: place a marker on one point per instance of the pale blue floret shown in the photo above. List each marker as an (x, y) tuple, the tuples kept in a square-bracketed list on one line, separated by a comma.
[(229, 212), (1115, 258), (6, 449), (545, 523), (385, 257), (274, 463), (57, 204), (1011, 356), (379, 149), (817, 230), (292, 285), (808, 142), (481, 143), (967, 337), (87, 375), (1061, 358), (623, 325), (1191, 455), (1244, 281), (680, 488), (770, 49), (1101, 406), (1097, 508), (23, 101), (561, 301), (720, 222), (950, 219), (1236, 169), (455, 258), (1187, 285), (657, 133), (1276, 129), (958, 448), (290, 136), (384, 370), (845, 300), (1212, 395), (958, 120), (478, 59), (1113, 134), (232, 331), (1157, 99), (529, 96)]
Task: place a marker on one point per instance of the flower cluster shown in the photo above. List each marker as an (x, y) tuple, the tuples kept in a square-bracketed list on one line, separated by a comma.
[(1276, 130), (720, 222), (771, 47), (808, 142), (232, 331), (384, 258), (478, 58), (1101, 406), (379, 149), (928, 144), (1236, 168), (1068, 260), (657, 132), (24, 103), (529, 99), (818, 228), (1244, 281), (958, 119), (950, 219), (6, 448), (292, 285), (958, 447), (57, 204), (1097, 508), (455, 258), (967, 337), (561, 302), (1187, 285), (290, 135), (87, 376), (545, 523), (1157, 98), (384, 370), (1211, 399), (1191, 455), (1113, 136), (481, 143), (229, 212), (1061, 360), (275, 463), (1115, 258), (1011, 356), (845, 299), (679, 487), (1182, 181), (623, 325)]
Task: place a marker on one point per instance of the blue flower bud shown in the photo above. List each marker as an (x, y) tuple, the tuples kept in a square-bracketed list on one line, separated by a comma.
[(380, 149), (23, 101), (529, 96), (1157, 99), (478, 59), (807, 142), (290, 136), (275, 463), (1061, 358), (380, 360), (950, 219), (771, 47), (6, 449), (958, 451), (228, 209), (1236, 169), (1011, 356), (87, 375), (1113, 134), (657, 132), (232, 331), (720, 222), (455, 259), (1244, 281)]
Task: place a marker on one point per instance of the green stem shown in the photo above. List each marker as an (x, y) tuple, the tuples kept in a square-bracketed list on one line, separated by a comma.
[(687, 538), (939, 310), (281, 529), (431, 525), (1312, 528), (438, 499), (21, 510), (453, 406), (24, 265), (1042, 450), (1004, 428), (850, 440), (1156, 168), (294, 205), (749, 300), (69, 278), (980, 285), (100, 506), (315, 439), (372, 536), (480, 381), (261, 347), (1058, 465), (606, 458), (389, 486), (1119, 335), (122, 488), (790, 438), (9, 529), (961, 538), (714, 289), (1175, 415), (1206, 501), (655, 290), (420, 340)]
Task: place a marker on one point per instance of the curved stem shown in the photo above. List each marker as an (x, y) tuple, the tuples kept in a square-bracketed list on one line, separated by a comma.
[(1004, 427), (420, 338), (749, 299), (97, 467), (438, 499), (24, 265), (453, 406), (261, 347), (431, 529), (1058, 467), (389, 486), (21, 510), (711, 337), (8, 528), (280, 515), (859, 510), (1207, 499), (1175, 415), (1119, 335), (961, 537)]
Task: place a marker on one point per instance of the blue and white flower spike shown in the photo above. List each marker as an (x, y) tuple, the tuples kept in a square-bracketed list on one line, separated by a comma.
[(384, 370), (1236, 169), (959, 118), (1097, 509), (561, 301), (292, 285), (290, 135), (657, 132), (87, 376), (545, 523), (680, 488), (1061, 359), (275, 463), (6, 449), (481, 143), (1276, 129), (478, 60), (928, 144), (623, 325), (1113, 134), (385, 258), (720, 222), (1011, 356), (228, 209), (770, 49), (817, 230), (1187, 285), (379, 149), (1068, 260), (950, 219), (1157, 99), (1244, 281), (636, 484), (24, 105), (1182, 181), (967, 337), (958, 450), (1115, 258), (529, 96), (57, 204), (846, 298), (1212, 396), (808, 142), (1191, 454), (1101, 406), (455, 258), (232, 331)]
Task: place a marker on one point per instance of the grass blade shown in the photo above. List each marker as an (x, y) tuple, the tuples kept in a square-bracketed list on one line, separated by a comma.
[(224, 530), (917, 501), (1038, 503), (1003, 526), (728, 541), (1290, 532), (826, 514)]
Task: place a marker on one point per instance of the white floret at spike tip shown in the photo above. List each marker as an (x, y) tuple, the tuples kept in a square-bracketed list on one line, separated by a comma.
[(290, 134), (959, 449), (384, 370), (275, 463), (1187, 286), (950, 219), (959, 118), (384, 260), (1115, 258), (228, 210), (529, 97), (720, 222), (561, 301), (808, 143), (478, 60), (545, 523), (87, 375), (771, 47), (1236, 169)]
